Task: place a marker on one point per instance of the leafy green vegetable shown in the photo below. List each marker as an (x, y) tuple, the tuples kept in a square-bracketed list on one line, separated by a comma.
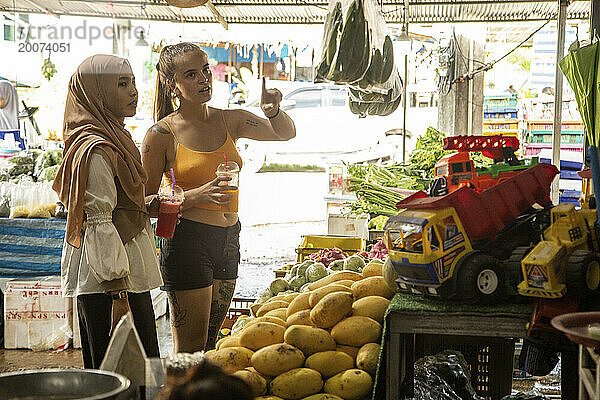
[(428, 150), (371, 183)]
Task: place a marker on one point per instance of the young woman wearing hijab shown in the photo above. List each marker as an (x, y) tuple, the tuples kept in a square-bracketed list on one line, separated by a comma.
[(9, 106), (200, 263), (109, 258)]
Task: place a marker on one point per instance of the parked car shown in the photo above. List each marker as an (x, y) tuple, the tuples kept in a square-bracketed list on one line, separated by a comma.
[(325, 127)]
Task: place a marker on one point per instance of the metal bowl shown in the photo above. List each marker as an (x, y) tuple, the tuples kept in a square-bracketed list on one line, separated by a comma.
[(575, 326), (64, 384)]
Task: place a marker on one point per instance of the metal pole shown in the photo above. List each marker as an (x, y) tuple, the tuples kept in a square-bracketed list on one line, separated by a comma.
[(470, 102), (594, 31), (594, 19), (558, 89), (404, 108)]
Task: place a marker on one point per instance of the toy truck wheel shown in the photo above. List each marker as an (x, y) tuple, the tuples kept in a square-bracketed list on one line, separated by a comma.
[(479, 278), (583, 273), (514, 274)]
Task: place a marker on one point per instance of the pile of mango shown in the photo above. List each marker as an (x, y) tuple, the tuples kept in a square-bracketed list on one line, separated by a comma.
[(322, 344)]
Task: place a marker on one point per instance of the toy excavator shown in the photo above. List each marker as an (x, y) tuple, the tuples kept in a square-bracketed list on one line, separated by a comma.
[(457, 170)]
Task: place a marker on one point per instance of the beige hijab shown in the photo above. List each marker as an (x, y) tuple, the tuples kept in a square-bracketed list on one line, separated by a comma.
[(90, 121)]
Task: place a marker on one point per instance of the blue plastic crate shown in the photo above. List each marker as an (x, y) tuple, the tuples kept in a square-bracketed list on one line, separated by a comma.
[(571, 194), (500, 115), (17, 137), (563, 200), (567, 174), (565, 164)]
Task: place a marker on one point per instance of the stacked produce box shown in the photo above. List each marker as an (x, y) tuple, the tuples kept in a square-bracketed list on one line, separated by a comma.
[(570, 182), (315, 340), (539, 136), (500, 115)]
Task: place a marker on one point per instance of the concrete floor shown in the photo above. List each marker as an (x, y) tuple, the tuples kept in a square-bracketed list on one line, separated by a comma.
[(20, 360)]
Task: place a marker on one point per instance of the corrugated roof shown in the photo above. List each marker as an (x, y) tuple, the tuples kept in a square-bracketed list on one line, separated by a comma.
[(302, 12)]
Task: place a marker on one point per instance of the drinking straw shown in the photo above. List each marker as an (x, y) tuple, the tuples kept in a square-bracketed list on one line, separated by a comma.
[(226, 164), (172, 186)]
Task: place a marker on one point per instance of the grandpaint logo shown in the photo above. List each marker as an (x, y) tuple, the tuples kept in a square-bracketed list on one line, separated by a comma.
[(79, 32)]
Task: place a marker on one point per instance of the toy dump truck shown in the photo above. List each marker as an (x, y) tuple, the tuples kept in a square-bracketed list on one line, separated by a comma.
[(453, 245), (457, 170), (566, 259)]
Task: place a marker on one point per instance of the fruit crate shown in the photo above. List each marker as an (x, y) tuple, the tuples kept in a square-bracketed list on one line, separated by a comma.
[(566, 126), (239, 306), (500, 125), (500, 103), (313, 243), (514, 133), (546, 137), (490, 359)]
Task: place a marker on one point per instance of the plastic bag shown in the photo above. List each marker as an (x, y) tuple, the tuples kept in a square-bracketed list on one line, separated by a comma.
[(4, 200), (531, 395), (537, 358), (444, 376), (357, 51), (33, 200), (22, 164), (58, 340), (19, 201)]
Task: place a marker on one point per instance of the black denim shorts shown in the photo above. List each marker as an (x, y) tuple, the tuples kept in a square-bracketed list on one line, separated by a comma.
[(199, 253)]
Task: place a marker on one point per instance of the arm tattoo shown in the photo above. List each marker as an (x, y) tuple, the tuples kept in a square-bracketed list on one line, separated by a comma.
[(160, 129), (178, 315), (145, 148), (251, 123)]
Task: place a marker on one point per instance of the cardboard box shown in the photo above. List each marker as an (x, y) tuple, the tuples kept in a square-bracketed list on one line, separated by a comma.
[(34, 310), (338, 224), (73, 318)]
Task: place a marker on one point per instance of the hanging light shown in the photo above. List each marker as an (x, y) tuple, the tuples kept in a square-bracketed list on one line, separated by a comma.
[(141, 42), (403, 37)]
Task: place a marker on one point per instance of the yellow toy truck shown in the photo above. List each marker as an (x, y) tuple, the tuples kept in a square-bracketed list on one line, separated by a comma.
[(455, 245), (566, 259)]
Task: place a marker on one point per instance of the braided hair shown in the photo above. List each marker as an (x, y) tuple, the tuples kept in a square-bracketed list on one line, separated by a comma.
[(167, 63)]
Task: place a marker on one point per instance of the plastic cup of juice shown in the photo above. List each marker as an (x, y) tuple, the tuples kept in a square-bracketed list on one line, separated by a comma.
[(170, 202), (232, 170)]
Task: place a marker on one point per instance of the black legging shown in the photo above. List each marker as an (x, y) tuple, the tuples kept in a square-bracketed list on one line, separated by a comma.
[(95, 310)]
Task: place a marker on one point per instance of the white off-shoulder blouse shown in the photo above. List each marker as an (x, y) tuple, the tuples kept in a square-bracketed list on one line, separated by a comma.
[(102, 256)]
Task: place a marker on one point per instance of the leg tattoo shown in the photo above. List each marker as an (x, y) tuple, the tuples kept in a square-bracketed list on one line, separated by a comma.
[(218, 311), (178, 315)]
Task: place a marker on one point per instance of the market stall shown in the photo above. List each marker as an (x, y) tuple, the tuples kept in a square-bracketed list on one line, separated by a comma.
[(324, 325)]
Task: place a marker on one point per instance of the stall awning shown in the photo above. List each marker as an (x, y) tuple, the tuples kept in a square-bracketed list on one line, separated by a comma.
[(300, 11)]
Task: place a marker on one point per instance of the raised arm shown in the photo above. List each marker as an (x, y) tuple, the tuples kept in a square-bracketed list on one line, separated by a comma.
[(277, 126)]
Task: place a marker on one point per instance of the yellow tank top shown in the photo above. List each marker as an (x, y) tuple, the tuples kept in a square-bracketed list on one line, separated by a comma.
[(193, 169)]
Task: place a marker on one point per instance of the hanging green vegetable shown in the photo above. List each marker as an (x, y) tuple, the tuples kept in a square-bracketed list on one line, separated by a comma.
[(48, 69)]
